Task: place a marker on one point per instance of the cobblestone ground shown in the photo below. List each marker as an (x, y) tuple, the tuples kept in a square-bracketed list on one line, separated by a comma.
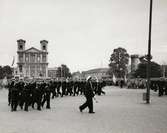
[(119, 111)]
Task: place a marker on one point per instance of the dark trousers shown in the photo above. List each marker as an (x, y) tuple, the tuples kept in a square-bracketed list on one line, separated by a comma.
[(14, 104), (88, 103), (47, 100), (9, 98), (75, 91), (53, 93), (161, 91), (58, 91), (26, 105), (63, 91), (38, 102)]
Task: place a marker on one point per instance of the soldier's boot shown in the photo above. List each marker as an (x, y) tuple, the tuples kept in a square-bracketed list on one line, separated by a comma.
[(48, 104), (32, 105), (26, 109), (39, 104)]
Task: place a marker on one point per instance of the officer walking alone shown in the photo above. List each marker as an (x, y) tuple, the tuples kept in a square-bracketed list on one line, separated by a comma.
[(89, 96)]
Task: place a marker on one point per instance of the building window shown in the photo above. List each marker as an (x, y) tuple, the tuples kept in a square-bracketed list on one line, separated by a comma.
[(20, 68), (32, 70), (21, 57), (44, 70), (38, 70), (38, 58), (20, 47), (27, 70), (43, 58), (26, 57), (44, 47), (32, 58)]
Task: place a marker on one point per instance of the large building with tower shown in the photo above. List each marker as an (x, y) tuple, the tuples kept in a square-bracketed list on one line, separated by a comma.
[(32, 62)]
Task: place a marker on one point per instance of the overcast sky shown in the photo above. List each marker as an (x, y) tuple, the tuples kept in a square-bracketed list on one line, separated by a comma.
[(82, 33)]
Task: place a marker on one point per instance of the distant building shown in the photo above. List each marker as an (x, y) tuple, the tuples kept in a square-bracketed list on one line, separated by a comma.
[(77, 75), (52, 72), (32, 62), (134, 62), (99, 73), (164, 71)]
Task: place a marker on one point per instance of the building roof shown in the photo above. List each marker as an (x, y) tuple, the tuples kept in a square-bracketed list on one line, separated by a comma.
[(96, 70), (33, 50), (52, 69)]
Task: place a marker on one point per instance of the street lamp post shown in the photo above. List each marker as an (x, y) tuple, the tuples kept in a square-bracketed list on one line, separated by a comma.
[(149, 55)]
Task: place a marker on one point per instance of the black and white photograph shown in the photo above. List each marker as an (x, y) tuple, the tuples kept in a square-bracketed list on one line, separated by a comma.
[(83, 66)]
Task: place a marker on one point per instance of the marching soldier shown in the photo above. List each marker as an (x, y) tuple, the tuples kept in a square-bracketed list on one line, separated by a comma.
[(14, 96), (46, 96), (63, 86), (53, 86), (37, 94), (21, 97), (75, 91), (10, 86), (58, 88), (26, 95)]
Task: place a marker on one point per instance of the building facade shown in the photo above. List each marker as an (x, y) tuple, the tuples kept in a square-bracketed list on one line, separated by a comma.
[(32, 62), (52, 72), (77, 76), (98, 73)]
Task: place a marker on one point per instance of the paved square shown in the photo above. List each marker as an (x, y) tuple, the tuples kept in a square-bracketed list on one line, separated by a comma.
[(119, 111)]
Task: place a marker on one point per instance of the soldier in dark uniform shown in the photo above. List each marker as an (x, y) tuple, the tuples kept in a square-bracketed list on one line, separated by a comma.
[(63, 86), (21, 97), (75, 91), (100, 86), (79, 87), (82, 87), (26, 95), (89, 96), (15, 96), (33, 93), (58, 88), (53, 86), (121, 83), (47, 96), (10, 86), (67, 87), (37, 94), (70, 87)]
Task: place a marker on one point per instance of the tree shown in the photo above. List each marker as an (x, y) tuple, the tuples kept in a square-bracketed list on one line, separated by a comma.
[(118, 62), (7, 71), (58, 73), (1, 72), (141, 71), (63, 71)]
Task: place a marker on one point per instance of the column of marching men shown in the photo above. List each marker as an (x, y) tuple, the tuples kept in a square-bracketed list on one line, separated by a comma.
[(37, 94)]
